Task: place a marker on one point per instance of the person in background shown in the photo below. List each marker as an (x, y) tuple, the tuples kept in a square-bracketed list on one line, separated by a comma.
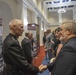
[(65, 62), (15, 61), (27, 46), (58, 43), (49, 43), (44, 37)]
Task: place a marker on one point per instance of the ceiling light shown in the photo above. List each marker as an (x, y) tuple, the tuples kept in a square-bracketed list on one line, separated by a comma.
[(62, 10)]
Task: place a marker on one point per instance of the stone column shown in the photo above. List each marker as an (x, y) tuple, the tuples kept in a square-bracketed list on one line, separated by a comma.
[(19, 8), (22, 10), (74, 14), (41, 33), (60, 18), (34, 17), (24, 16)]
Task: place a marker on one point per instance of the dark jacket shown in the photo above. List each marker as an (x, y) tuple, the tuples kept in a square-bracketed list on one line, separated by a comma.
[(15, 62), (65, 63), (27, 47), (44, 39)]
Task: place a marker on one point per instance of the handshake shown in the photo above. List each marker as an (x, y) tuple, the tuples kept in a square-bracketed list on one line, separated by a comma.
[(42, 68)]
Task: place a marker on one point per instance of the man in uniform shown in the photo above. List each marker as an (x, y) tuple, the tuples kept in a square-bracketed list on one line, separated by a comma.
[(14, 59)]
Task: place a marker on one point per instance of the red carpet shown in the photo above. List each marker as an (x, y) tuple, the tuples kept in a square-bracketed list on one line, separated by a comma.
[(38, 60)]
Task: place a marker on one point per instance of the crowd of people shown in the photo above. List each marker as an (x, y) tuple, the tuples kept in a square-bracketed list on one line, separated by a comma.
[(59, 45), (63, 62), (52, 42)]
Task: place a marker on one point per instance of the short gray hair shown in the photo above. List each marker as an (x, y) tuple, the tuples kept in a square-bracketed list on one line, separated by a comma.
[(15, 22), (71, 25)]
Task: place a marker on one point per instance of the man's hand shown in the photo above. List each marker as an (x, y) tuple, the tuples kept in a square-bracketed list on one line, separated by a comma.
[(52, 60), (42, 67)]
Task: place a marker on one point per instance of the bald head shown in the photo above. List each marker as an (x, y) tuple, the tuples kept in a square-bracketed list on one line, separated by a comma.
[(15, 22), (16, 27)]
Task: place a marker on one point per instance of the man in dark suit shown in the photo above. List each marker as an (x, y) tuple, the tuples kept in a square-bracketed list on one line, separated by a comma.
[(65, 62), (27, 46), (15, 61)]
